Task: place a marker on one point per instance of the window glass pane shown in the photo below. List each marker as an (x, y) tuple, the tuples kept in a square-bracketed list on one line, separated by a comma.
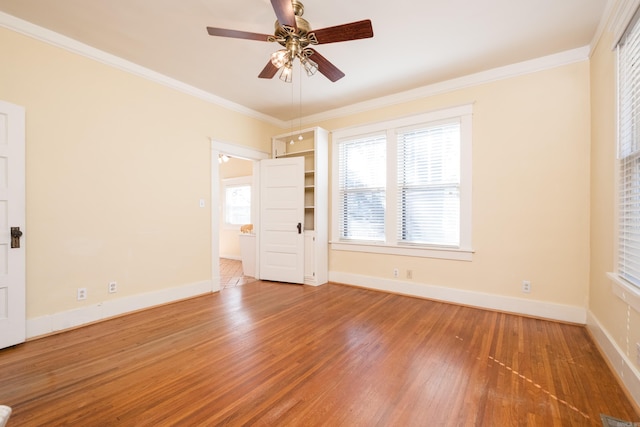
[(363, 215), (430, 216), (629, 154), (238, 204), (629, 96), (429, 155), (429, 185), (362, 165), (629, 224)]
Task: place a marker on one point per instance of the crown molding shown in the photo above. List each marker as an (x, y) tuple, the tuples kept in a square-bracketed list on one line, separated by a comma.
[(500, 73), (42, 34), (602, 25)]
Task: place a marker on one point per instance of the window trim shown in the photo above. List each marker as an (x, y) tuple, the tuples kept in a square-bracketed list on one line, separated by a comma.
[(624, 290), (464, 252)]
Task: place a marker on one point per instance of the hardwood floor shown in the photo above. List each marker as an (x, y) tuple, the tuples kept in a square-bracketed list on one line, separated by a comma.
[(276, 354)]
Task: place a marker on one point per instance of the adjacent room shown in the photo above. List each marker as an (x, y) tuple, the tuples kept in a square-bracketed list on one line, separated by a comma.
[(418, 213)]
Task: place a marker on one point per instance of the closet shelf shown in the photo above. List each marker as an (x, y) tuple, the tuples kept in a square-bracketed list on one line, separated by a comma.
[(297, 153)]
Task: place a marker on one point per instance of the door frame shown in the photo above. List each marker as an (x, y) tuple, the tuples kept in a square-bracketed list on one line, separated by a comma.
[(220, 147)]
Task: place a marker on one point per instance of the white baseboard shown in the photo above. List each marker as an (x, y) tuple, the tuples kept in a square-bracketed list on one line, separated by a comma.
[(546, 310), (626, 371), (103, 310)]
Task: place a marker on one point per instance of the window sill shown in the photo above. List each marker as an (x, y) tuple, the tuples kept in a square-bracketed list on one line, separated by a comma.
[(625, 291), (438, 253)]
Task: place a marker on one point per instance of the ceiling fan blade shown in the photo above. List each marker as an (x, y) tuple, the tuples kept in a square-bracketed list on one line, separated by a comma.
[(269, 71), (284, 12), (237, 34), (345, 32), (325, 67)]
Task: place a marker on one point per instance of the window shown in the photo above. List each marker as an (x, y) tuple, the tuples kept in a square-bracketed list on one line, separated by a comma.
[(629, 155), (403, 186), (237, 201), (362, 188), (429, 184)]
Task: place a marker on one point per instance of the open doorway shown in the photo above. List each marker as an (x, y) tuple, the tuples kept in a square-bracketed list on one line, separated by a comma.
[(218, 149), (232, 274), (237, 239)]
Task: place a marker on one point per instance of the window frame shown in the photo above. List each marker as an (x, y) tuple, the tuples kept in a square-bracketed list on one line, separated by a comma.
[(627, 159), (464, 251), (371, 191)]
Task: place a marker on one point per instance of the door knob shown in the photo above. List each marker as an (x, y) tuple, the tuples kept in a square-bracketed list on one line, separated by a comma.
[(15, 237), (299, 228)]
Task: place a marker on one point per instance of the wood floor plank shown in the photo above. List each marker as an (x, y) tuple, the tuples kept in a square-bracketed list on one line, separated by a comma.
[(275, 354)]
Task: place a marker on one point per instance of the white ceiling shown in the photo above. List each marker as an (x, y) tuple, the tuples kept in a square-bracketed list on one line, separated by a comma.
[(415, 43)]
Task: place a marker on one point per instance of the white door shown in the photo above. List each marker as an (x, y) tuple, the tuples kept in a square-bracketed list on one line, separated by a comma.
[(282, 220), (12, 215)]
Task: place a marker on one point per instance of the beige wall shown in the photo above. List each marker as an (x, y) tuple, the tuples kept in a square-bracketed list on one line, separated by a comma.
[(530, 191), (614, 316), (116, 165), (229, 242)]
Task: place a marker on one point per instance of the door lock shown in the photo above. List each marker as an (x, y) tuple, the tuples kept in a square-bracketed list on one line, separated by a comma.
[(15, 237)]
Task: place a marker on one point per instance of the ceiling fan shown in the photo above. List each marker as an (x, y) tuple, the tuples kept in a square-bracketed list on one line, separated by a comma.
[(295, 34)]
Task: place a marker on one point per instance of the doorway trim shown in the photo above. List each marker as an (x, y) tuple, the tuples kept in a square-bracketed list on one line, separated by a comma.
[(220, 147)]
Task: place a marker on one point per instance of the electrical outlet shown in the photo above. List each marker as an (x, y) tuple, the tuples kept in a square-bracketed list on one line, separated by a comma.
[(409, 274), (526, 286), (113, 287), (396, 272), (82, 294)]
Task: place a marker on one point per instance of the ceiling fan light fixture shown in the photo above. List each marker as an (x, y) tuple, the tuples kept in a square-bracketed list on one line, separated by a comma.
[(295, 34), (280, 58), (309, 66), (286, 75)]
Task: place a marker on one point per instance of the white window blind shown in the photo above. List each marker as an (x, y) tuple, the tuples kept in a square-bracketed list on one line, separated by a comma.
[(362, 176), (403, 186), (629, 154), (429, 185)]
